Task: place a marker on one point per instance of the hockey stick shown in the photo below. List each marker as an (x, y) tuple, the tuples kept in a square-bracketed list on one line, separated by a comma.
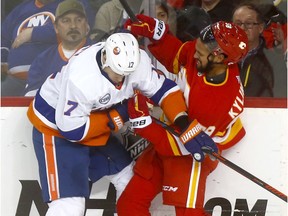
[(128, 10), (231, 165)]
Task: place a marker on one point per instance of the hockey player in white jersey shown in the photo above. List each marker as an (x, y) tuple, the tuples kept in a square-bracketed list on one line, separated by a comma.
[(77, 110)]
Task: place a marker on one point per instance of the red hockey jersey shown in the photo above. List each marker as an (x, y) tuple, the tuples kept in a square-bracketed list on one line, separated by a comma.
[(216, 106)]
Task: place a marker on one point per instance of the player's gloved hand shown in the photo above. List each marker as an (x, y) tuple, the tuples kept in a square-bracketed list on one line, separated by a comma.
[(194, 139), (138, 111), (118, 115), (147, 27)]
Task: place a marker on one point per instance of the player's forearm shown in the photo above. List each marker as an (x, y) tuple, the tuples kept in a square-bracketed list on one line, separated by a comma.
[(166, 54), (174, 106)]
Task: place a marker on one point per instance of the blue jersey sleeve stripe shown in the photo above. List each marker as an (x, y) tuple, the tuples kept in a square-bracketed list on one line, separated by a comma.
[(74, 135), (167, 85), (44, 108)]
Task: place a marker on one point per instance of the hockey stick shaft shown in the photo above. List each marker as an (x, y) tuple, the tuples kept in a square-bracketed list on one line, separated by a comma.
[(231, 165), (129, 11)]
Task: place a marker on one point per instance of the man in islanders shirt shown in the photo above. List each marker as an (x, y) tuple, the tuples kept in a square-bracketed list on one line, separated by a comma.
[(71, 26)]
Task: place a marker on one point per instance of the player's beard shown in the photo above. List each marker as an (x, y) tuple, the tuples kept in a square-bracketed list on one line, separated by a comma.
[(205, 69)]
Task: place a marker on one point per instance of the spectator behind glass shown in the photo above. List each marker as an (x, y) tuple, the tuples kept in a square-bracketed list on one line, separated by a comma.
[(110, 18), (163, 12), (275, 35), (256, 72), (190, 21), (218, 10), (71, 26), (26, 32), (95, 5), (167, 14), (275, 32)]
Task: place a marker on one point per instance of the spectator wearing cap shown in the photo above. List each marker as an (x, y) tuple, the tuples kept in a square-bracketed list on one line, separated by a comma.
[(26, 32), (72, 28)]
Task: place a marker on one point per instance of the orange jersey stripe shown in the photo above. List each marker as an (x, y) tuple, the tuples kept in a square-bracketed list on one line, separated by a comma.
[(99, 131), (173, 104), (97, 134), (51, 166), (37, 123), (237, 132)]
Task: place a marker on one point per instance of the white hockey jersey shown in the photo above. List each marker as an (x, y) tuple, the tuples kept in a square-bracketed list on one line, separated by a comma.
[(72, 103)]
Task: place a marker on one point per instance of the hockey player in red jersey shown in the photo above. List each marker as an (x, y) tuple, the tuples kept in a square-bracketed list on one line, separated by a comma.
[(209, 78)]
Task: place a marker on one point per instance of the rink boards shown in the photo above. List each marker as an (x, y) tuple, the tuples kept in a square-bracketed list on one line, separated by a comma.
[(263, 153)]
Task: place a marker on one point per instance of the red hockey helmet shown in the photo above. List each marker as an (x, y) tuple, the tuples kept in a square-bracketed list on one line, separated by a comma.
[(227, 38)]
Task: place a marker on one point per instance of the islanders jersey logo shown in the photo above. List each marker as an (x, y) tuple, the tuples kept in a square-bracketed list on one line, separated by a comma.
[(39, 19)]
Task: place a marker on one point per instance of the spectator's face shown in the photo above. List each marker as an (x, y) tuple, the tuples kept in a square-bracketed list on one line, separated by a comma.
[(72, 28), (161, 14), (247, 20)]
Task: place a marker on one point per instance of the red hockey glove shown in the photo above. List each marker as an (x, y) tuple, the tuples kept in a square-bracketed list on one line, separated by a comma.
[(118, 116), (147, 27), (194, 139), (138, 111)]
